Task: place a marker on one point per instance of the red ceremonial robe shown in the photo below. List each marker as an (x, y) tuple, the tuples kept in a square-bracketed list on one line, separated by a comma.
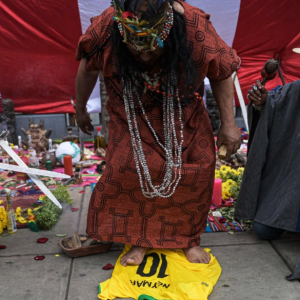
[(118, 210)]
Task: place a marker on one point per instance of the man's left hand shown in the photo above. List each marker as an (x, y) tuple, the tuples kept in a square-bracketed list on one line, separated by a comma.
[(230, 136)]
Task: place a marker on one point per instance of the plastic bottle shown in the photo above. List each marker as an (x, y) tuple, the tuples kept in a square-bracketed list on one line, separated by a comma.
[(50, 155), (20, 145), (33, 160), (99, 140), (11, 215), (5, 155), (20, 175)]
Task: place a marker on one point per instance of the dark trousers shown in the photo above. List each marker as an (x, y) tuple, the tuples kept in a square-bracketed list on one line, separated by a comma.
[(265, 232)]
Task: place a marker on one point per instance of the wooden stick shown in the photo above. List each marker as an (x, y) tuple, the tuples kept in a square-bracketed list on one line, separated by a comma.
[(222, 152)]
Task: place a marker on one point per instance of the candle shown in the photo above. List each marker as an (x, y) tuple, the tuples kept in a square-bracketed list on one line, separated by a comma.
[(217, 192), (68, 165)]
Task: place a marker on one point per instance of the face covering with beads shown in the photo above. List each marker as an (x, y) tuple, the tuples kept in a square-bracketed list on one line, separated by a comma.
[(144, 25)]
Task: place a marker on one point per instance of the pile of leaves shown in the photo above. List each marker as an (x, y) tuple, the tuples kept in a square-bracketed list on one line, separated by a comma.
[(48, 215)]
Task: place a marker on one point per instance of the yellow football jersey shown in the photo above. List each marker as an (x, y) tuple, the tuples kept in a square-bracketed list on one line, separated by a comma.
[(164, 274)]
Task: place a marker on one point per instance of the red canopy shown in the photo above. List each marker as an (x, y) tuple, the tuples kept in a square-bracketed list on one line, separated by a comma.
[(38, 39)]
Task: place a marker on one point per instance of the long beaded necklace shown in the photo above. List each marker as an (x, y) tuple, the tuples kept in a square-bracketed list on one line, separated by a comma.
[(171, 144)]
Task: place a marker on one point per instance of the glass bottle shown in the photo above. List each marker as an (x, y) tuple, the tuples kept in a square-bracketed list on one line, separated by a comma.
[(33, 160), (5, 155), (51, 154), (20, 145), (69, 129), (11, 215), (21, 175), (99, 140), (78, 176)]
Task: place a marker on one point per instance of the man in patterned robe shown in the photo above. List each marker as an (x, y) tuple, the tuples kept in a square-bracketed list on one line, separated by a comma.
[(118, 209)]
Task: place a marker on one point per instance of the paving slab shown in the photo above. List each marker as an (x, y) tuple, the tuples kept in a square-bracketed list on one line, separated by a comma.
[(27, 279), (289, 250), (253, 272), (87, 273), (289, 237), (224, 238), (69, 221)]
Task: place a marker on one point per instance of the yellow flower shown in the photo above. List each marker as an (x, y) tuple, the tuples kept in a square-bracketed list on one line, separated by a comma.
[(226, 184), (234, 172), (224, 174), (224, 169), (226, 195), (240, 171), (230, 182)]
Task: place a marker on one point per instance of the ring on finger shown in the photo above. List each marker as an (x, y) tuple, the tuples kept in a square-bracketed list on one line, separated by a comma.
[(250, 91), (248, 96), (254, 87)]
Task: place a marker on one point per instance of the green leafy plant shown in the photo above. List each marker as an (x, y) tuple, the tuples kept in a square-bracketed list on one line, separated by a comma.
[(62, 195), (48, 215)]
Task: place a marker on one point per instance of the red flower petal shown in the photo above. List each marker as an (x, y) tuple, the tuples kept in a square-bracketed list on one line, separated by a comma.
[(108, 267), (2, 247), (42, 240), (81, 192), (40, 257), (74, 208)]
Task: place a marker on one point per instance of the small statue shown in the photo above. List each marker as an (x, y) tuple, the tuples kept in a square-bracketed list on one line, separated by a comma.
[(39, 135)]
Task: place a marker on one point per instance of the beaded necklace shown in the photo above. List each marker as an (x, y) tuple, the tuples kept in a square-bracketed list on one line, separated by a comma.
[(171, 145)]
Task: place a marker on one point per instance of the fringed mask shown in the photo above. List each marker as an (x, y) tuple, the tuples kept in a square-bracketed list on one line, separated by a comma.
[(148, 32)]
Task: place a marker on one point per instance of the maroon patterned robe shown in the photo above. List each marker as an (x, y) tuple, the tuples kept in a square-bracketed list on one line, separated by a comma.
[(118, 210)]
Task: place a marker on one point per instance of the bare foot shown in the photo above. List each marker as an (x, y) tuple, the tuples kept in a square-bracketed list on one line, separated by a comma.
[(134, 256), (197, 255)]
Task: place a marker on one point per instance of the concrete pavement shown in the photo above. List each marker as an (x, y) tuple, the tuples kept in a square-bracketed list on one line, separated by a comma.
[(252, 269)]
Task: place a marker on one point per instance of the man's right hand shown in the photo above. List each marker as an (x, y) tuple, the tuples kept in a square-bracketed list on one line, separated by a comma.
[(84, 121)]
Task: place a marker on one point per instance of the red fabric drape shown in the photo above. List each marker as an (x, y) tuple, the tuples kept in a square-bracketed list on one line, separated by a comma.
[(38, 42), (267, 28), (38, 39)]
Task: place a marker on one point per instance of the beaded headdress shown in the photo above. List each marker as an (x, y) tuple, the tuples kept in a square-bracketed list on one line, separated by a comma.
[(148, 32)]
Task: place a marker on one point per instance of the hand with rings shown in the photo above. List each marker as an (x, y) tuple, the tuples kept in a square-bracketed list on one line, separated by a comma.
[(258, 94)]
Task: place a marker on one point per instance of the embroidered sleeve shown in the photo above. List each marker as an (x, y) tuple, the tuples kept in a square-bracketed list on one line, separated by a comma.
[(93, 43), (213, 57)]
